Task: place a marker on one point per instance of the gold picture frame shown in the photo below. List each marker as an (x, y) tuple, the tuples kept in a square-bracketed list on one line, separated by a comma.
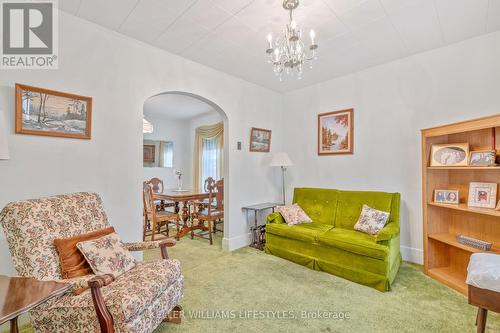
[(336, 132), (482, 158), (47, 112), (450, 154), (260, 140)]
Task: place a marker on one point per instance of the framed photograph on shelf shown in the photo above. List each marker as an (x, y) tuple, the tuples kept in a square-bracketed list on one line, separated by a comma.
[(482, 158), (336, 132), (450, 154), (446, 196), (482, 195), (52, 113), (260, 140)]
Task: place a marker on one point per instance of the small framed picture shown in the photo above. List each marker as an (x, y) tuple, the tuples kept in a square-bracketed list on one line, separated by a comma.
[(260, 140), (450, 154), (483, 195), (483, 157), (446, 196)]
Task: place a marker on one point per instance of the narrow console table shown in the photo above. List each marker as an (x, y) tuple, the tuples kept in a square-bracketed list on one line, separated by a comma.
[(258, 231), (19, 295)]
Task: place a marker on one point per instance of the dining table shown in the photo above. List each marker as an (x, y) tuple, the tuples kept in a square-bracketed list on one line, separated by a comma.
[(183, 197)]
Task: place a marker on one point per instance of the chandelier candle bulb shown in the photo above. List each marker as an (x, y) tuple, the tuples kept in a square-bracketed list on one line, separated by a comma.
[(270, 40), (312, 34)]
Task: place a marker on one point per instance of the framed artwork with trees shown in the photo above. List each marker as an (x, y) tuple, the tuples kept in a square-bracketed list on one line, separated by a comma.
[(47, 112), (336, 132)]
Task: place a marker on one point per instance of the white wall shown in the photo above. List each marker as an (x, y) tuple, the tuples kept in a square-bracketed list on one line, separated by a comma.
[(177, 131), (391, 104), (120, 74)]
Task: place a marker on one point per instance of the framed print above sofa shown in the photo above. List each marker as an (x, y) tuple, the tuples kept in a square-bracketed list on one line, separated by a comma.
[(336, 132)]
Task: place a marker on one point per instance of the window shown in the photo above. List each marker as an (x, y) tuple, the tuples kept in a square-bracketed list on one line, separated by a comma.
[(208, 152), (168, 155), (209, 159)]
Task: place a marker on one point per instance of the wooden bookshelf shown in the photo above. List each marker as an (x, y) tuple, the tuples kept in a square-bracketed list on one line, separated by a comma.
[(445, 259)]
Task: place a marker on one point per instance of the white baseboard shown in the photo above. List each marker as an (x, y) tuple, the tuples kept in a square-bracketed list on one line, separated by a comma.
[(412, 255), (231, 244)]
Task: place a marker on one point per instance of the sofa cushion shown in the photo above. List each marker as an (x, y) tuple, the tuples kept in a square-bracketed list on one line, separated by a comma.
[(319, 204), (73, 263), (354, 242), (293, 214), (371, 221), (107, 255), (350, 204), (307, 232), (130, 294)]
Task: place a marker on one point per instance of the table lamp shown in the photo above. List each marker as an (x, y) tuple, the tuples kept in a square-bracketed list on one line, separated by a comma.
[(282, 160)]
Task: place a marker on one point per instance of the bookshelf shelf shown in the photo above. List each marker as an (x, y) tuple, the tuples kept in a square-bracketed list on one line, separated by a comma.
[(464, 208), (451, 240), (489, 168)]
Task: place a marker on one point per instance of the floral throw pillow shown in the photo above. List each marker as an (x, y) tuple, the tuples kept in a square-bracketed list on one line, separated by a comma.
[(293, 214), (371, 221), (107, 255)]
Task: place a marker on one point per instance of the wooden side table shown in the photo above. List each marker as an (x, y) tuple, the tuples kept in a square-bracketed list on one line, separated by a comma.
[(258, 232), (19, 295)]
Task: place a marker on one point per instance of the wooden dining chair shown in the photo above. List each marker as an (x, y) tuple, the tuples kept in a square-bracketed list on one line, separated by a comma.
[(220, 221), (214, 211), (157, 184), (154, 219)]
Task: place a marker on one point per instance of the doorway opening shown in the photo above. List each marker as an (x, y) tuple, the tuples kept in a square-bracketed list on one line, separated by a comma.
[(185, 168)]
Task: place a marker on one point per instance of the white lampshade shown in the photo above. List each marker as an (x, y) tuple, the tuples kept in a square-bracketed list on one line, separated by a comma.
[(4, 147), (147, 127), (281, 159)]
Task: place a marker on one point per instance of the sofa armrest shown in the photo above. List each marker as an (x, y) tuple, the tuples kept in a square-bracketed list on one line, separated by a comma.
[(275, 218), (162, 244), (105, 319), (390, 231)]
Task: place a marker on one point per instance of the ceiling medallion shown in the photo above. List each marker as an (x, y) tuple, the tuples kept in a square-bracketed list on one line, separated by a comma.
[(288, 53)]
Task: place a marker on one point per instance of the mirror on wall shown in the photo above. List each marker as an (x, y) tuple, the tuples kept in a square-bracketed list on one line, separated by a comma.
[(158, 154)]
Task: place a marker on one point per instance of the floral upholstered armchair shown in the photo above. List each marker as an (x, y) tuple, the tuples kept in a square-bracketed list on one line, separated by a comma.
[(136, 301)]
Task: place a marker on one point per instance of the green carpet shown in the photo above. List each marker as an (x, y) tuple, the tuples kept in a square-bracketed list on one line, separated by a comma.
[(250, 280), (221, 283)]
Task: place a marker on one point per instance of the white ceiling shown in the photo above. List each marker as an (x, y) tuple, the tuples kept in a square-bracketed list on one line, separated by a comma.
[(230, 35), (175, 106)]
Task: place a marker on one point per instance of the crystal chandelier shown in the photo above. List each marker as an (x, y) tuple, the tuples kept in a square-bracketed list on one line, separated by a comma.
[(288, 53)]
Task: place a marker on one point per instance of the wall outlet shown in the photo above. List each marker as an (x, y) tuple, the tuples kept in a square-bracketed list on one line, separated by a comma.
[(238, 145)]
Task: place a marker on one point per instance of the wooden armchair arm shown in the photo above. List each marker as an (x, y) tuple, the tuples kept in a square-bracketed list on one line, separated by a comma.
[(162, 244), (105, 318)]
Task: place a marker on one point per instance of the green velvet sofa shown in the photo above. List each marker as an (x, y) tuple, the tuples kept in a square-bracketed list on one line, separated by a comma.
[(331, 244)]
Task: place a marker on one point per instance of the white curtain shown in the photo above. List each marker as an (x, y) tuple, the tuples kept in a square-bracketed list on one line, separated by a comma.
[(210, 159)]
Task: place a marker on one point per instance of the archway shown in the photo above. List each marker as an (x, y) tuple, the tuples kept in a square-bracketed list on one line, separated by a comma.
[(225, 154)]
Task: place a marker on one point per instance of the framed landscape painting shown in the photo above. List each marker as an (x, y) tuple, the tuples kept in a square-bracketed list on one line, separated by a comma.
[(335, 132), (260, 140), (47, 112)]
